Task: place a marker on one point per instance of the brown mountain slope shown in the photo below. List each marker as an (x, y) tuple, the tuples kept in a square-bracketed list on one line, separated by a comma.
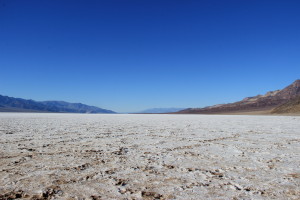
[(293, 106), (252, 104)]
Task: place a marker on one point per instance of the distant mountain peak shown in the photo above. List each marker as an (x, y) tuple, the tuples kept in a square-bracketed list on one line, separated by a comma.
[(291, 91), (297, 81)]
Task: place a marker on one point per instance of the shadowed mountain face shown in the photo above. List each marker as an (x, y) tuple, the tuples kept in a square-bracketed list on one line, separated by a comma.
[(10, 104), (292, 106), (257, 103)]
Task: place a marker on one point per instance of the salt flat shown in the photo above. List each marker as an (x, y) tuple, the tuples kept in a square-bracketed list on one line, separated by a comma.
[(82, 156)]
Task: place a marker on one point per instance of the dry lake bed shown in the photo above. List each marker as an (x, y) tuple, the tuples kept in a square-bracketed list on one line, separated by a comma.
[(91, 156)]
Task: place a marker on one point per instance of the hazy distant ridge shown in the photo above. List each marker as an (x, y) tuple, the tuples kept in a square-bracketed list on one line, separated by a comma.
[(161, 110), (11, 104)]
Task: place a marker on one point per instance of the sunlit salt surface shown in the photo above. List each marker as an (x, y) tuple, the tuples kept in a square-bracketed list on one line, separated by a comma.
[(92, 156)]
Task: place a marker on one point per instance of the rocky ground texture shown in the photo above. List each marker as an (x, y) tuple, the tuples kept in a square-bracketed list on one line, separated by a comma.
[(80, 156)]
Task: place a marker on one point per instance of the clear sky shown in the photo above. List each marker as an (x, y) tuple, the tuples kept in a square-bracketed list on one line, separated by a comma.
[(129, 55)]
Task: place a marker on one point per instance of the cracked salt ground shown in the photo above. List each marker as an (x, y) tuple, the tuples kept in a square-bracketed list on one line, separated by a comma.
[(78, 156)]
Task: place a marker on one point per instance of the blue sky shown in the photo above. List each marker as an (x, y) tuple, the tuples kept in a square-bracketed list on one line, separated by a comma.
[(138, 54)]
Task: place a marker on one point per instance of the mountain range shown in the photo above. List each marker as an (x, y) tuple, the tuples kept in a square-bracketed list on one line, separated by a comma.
[(279, 101), (11, 104), (284, 101)]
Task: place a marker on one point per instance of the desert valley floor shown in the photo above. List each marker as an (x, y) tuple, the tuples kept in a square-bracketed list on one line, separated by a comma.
[(87, 156)]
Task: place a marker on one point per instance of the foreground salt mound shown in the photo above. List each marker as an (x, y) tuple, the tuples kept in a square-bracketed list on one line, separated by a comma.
[(73, 156)]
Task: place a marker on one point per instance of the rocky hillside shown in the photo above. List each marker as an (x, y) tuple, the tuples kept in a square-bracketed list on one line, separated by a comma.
[(11, 104), (265, 102), (292, 106)]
